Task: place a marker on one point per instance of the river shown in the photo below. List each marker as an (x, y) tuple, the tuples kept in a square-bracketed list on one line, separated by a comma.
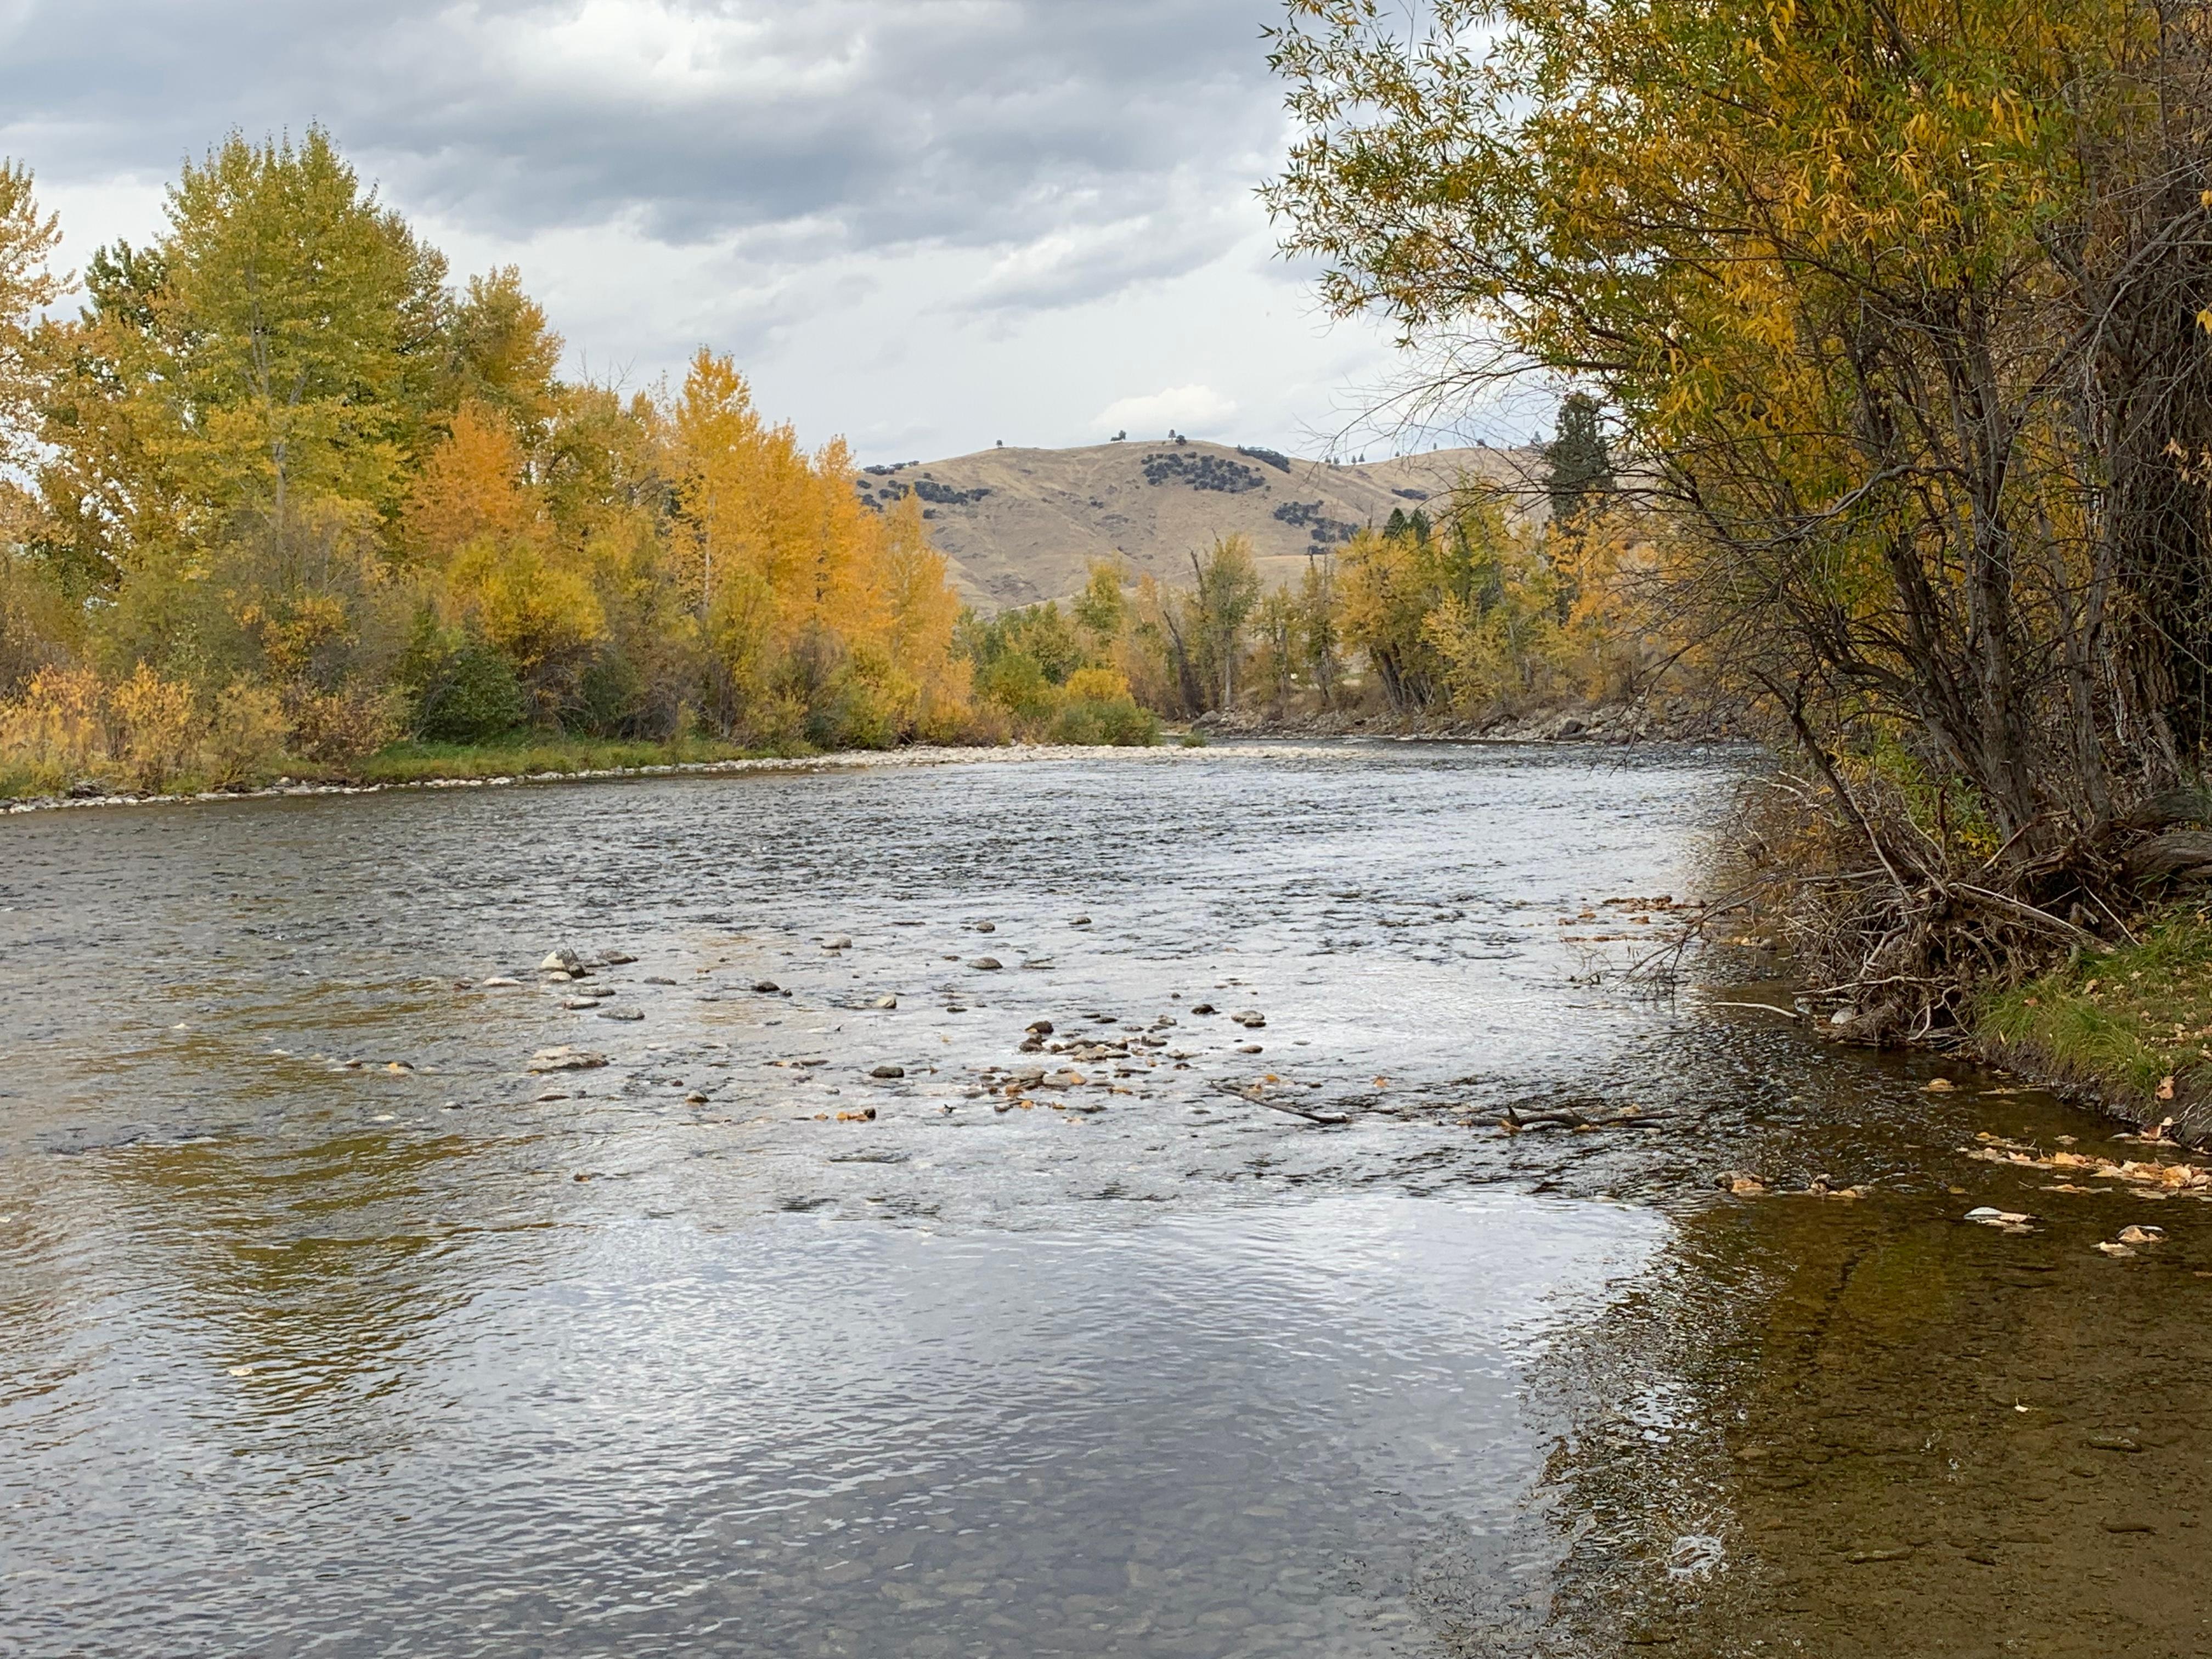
[(806, 1325)]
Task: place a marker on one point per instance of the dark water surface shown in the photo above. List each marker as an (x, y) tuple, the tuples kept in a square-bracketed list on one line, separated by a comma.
[(331, 1330)]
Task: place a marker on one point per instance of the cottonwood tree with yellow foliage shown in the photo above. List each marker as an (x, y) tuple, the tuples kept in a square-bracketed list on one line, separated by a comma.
[(296, 494), (1898, 306), (32, 614), (820, 613)]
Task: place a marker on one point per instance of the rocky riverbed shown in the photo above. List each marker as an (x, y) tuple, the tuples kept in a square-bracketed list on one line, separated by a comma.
[(1229, 1205)]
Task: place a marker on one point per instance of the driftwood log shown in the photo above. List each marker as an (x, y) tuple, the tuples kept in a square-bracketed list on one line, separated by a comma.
[(2179, 855), (2172, 809)]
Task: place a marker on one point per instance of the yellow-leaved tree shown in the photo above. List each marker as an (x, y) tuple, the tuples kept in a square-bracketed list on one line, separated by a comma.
[(38, 625), (1897, 305), (827, 621)]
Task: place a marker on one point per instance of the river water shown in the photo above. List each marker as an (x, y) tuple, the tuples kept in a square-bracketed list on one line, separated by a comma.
[(332, 1327)]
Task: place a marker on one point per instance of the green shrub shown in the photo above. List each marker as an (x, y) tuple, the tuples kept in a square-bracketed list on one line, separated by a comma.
[(1117, 721), (1017, 685), (466, 693), (610, 698)]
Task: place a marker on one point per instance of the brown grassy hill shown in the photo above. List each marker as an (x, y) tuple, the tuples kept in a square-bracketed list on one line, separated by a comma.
[(1019, 526)]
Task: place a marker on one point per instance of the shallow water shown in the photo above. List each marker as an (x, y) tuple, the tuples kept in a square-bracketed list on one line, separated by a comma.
[(333, 1329)]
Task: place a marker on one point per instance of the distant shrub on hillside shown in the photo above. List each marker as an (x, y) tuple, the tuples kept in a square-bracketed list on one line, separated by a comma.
[(1326, 532), (877, 497), (1202, 472), (945, 495), (1280, 462)]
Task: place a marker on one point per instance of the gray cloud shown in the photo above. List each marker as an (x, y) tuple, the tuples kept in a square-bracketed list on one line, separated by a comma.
[(926, 223), (786, 128)]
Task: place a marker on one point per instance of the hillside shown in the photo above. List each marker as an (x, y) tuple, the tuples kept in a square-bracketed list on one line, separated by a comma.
[(1019, 526)]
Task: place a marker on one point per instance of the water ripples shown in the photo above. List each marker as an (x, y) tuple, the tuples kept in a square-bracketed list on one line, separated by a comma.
[(329, 1335)]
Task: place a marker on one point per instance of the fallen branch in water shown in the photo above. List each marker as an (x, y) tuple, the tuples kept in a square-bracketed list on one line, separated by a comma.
[(1326, 1120), (1560, 1118)]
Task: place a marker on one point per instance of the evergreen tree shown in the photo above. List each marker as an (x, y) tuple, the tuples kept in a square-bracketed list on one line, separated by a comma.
[(1577, 472)]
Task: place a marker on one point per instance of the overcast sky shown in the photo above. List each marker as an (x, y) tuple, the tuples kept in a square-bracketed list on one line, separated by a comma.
[(926, 224)]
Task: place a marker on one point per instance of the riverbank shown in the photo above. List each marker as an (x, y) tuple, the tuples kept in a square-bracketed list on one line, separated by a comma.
[(48, 783), (546, 766), (1672, 718), (25, 788), (2128, 1030)]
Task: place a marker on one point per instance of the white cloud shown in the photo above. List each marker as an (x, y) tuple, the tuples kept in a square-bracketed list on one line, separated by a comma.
[(1178, 407), (925, 224)]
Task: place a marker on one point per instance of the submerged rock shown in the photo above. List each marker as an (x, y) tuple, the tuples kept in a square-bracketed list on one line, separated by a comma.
[(886, 1000), (986, 963), (766, 987), (566, 1059), (622, 1011), (888, 1072)]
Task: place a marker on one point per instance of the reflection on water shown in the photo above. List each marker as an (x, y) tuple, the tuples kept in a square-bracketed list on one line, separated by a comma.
[(333, 1327), (1888, 1431), (834, 1439)]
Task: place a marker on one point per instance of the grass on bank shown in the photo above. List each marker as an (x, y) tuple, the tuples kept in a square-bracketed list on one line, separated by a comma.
[(529, 752), (2134, 1023), (519, 753), (515, 755)]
